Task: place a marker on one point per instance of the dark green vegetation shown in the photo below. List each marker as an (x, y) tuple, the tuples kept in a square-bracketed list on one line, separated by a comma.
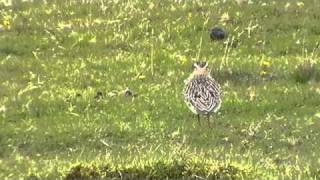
[(65, 66)]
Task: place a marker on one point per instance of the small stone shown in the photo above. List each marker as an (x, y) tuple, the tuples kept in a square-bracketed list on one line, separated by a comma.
[(127, 92), (98, 95)]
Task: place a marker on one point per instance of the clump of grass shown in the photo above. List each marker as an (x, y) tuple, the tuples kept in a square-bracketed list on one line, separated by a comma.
[(158, 170), (306, 72), (82, 172)]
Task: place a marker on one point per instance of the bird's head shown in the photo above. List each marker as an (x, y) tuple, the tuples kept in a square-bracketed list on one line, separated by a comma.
[(200, 67)]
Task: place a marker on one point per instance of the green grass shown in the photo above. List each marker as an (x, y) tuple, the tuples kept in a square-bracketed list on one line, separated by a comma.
[(55, 56)]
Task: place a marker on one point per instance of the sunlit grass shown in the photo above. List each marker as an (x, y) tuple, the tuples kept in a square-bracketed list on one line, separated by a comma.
[(65, 67)]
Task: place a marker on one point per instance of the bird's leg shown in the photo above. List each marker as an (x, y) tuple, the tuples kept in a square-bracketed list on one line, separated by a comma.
[(199, 119), (208, 118)]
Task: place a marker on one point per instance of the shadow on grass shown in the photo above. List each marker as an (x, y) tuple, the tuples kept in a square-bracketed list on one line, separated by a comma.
[(159, 170)]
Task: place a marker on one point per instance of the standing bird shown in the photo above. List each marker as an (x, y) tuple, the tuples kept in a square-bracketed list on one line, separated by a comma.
[(202, 93), (217, 33)]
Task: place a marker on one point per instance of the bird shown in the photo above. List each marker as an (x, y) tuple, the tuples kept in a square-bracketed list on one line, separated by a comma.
[(202, 93), (217, 33)]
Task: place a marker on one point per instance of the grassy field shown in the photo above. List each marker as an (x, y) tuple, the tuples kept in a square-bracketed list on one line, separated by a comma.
[(65, 67)]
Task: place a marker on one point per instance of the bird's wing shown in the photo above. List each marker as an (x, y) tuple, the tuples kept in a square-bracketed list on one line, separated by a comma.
[(203, 94)]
